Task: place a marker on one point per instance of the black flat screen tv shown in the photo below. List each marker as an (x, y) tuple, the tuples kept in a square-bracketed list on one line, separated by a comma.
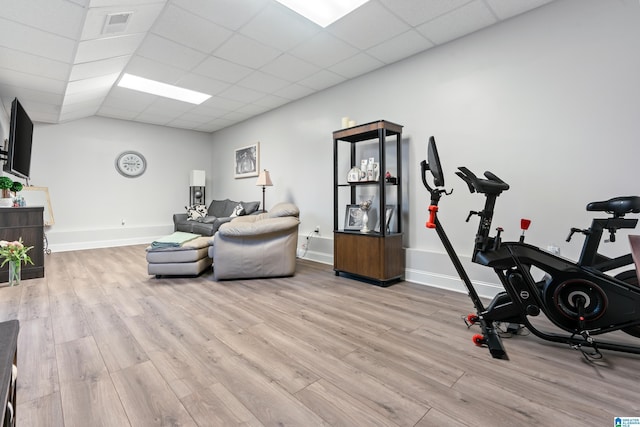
[(20, 138)]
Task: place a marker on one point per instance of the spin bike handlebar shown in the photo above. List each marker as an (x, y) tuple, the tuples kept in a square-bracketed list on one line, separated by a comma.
[(435, 195)]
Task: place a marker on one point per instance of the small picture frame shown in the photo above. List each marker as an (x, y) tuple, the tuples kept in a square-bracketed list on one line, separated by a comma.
[(246, 161), (353, 218), (388, 215)]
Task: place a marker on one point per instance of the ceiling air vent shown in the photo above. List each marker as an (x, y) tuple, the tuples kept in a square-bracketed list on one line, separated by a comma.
[(116, 22)]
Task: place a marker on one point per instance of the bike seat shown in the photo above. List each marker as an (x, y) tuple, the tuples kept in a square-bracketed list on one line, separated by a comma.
[(491, 185), (619, 206)]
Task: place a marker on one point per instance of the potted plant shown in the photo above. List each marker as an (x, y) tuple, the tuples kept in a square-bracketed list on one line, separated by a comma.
[(15, 187), (5, 185)]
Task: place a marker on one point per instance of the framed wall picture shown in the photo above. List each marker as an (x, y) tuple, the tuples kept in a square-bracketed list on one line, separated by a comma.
[(353, 218), (247, 161)]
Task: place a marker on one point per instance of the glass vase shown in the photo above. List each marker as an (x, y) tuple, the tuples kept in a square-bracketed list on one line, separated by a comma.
[(15, 273)]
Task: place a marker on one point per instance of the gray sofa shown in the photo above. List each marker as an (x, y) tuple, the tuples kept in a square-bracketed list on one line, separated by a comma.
[(219, 212)]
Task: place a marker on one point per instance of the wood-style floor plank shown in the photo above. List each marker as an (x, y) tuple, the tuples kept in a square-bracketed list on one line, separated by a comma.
[(102, 343)]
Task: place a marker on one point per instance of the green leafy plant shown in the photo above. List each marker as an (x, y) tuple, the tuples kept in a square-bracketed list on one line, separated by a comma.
[(14, 251), (16, 186), (5, 183)]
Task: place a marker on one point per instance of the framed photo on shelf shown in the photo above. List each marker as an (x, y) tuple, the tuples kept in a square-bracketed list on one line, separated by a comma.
[(388, 215), (353, 218), (247, 161)]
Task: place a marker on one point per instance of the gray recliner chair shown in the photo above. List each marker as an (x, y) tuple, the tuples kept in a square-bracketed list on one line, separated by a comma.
[(257, 246)]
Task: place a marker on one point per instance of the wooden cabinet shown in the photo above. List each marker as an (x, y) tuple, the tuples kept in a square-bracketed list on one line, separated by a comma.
[(377, 255), (28, 224), (8, 359)]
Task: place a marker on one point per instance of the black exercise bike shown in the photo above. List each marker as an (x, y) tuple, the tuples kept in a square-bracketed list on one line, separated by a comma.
[(577, 297)]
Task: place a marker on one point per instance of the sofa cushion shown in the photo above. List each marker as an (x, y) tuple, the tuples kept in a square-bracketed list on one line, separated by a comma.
[(237, 211), (224, 208), (250, 207), (195, 212), (221, 208)]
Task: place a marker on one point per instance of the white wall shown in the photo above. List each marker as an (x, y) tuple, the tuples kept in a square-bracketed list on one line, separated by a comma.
[(549, 101), (89, 198)]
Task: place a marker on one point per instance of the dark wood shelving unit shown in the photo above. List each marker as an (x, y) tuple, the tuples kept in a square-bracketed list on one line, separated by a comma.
[(377, 256)]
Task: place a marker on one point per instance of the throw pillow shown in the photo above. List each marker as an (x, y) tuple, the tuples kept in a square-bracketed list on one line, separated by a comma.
[(250, 207), (238, 211), (196, 212)]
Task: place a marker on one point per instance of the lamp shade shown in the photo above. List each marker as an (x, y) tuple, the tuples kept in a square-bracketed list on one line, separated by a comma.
[(264, 179), (197, 178)]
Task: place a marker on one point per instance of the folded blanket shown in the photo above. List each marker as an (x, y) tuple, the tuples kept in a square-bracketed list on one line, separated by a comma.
[(173, 240)]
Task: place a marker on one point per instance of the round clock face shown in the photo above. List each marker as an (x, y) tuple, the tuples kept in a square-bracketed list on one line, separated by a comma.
[(131, 164)]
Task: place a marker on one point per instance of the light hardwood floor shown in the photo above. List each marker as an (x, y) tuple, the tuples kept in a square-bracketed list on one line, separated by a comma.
[(103, 344)]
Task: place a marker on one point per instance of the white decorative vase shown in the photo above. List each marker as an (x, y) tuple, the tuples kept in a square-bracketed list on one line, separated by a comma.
[(365, 220), (6, 202)]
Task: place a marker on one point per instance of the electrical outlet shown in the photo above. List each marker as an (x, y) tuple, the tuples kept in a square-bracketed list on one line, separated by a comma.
[(317, 230)]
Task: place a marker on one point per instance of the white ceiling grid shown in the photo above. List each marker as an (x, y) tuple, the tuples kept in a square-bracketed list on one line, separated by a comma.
[(250, 55)]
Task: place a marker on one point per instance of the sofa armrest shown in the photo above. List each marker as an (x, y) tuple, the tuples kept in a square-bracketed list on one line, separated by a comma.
[(179, 217), (243, 228)]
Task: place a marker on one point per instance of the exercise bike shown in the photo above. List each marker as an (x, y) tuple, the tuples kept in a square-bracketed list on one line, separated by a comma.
[(577, 297)]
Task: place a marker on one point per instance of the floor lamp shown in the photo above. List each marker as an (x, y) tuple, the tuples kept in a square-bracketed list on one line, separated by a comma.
[(197, 185), (264, 180)]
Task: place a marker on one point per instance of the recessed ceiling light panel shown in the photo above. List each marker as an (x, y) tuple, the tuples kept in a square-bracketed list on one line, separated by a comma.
[(153, 87), (323, 12)]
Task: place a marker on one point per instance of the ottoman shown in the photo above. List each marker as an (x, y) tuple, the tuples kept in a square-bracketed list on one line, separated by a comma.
[(188, 259)]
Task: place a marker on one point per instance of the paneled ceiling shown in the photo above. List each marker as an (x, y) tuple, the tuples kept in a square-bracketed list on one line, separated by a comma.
[(250, 55)]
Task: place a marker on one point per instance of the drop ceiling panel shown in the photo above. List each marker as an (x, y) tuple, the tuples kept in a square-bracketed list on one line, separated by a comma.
[(294, 91), (418, 12), (118, 3), (97, 49), (507, 8), (34, 41), (220, 103), (187, 29), (402, 46), (271, 101), (202, 84), (324, 50), (221, 69), (290, 68), (245, 51), (263, 82), (356, 65), (101, 83), (32, 64), (39, 14), (31, 81), (367, 26), (170, 53), (322, 80), (92, 69), (149, 69), (280, 27), (465, 20), (231, 14), (241, 94)]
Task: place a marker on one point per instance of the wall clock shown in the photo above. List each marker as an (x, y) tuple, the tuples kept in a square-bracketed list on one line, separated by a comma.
[(131, 164)]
